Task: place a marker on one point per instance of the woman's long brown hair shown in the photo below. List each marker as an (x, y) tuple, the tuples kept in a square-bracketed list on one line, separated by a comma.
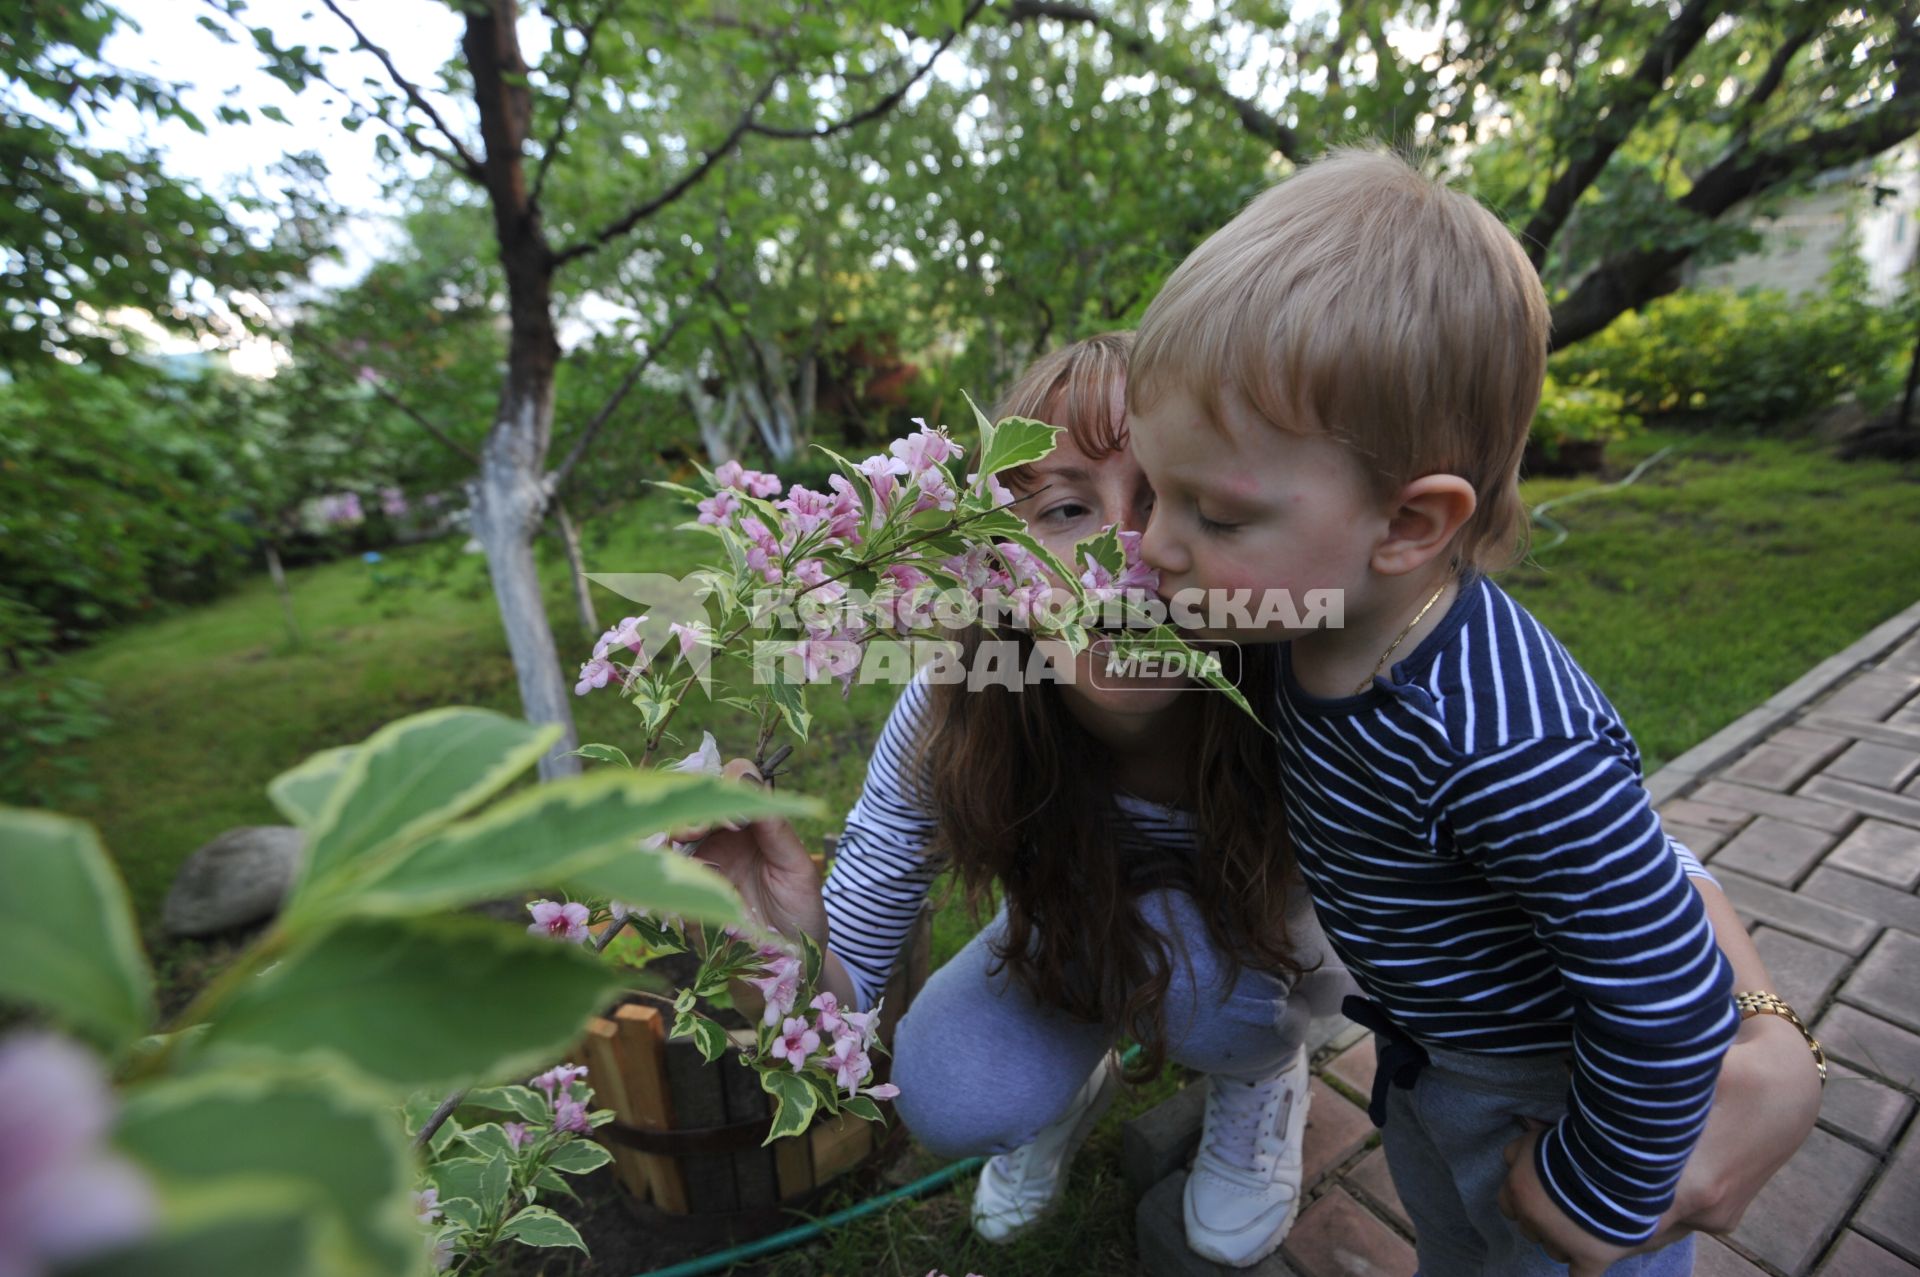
[(1025, 799)]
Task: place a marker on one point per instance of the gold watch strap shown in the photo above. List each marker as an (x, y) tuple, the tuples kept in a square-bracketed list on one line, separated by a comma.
[(1759, 1003)]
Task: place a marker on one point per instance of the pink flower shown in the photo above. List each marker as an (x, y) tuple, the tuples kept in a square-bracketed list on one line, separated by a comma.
[(936, 492), (879, 473), (1001, 494), (812, 573), (829, 1018), (1022, 563), (846, 510), (624, 635), (442, 1254), (557, 1079), (977, 570), (393, 503), (518, 1137), (715, 509), (1101, 584), (848, 1064), (728, 475), (426, 1207), (1135, 575), (863, 1025), (834, 653), (780, 991), (884, 1091), (691, 636), (796, 1042), (759, 483), (922, 450), (562, 922), (64, 1194), (595, 673), (705, 760), (571, 1115)]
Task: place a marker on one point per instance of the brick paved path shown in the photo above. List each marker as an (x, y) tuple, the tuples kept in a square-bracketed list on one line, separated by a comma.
[(1808, 812)]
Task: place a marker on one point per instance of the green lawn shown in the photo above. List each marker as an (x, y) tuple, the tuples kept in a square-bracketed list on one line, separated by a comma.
[(1724, 573)]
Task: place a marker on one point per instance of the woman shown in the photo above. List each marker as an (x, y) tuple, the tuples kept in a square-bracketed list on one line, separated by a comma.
[(1135, 831)]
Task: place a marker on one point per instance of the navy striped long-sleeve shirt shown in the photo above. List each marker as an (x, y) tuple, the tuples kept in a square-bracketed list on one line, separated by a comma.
[(1485, 859)]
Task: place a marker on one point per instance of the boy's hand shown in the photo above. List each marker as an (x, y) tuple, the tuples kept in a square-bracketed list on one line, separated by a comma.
[(1524, 1200)]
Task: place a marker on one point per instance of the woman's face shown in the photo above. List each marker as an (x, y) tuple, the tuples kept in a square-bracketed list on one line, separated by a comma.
[(1068, 497)]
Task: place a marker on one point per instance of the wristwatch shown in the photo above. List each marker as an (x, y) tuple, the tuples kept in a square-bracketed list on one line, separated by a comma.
[(1758, 1003)]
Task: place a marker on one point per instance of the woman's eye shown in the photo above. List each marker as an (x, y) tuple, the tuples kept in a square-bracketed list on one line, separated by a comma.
[(1065, 513)]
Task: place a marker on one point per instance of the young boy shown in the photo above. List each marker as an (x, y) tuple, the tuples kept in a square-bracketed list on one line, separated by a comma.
[(1333, 393)]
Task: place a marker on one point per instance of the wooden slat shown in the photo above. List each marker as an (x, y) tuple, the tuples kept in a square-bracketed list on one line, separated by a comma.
[(641, 1045), (699, 1100), (610, 1091), (755, 1177), (838, 1144)]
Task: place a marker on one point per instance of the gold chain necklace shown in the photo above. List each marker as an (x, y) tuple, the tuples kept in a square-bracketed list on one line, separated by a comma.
[(1367, 682)]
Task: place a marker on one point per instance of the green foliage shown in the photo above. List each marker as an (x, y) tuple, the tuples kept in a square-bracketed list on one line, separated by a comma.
[(1581, 413), (1740, 358), (265, 1114), (47, 715)]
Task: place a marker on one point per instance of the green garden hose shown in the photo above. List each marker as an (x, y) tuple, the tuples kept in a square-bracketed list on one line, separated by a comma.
[(813, 1228)]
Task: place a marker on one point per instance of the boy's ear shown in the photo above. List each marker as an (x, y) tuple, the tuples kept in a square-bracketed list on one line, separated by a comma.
[(1424, 517)]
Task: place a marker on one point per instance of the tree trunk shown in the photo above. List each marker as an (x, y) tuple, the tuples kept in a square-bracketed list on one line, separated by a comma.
[(1913, 384), (577, 569), (279, 576)]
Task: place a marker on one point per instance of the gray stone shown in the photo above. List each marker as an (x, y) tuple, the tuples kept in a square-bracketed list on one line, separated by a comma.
[(1891, 1213), (1884, 981), (1714, 1258), (1871, 696), (1805, 1202), (1871, 1045), (1879, 849), (1160, 1232), (1863, 897), (1871, 763), (1774, 850), (1809, 919), (1862, 1108), (1772, 767), (1855, 1256), (1805, 973), (1800, 810), (1864, 799), (239, 878), (1161, 1140)]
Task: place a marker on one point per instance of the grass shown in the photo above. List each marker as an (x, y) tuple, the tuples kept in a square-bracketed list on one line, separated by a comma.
[(1731, 567)]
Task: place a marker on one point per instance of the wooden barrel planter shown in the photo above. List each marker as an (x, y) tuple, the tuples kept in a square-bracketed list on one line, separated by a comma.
[(686, 1136)]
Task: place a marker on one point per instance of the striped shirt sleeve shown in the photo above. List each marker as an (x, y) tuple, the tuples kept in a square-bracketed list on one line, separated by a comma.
[(881, 872), (1565, 826)]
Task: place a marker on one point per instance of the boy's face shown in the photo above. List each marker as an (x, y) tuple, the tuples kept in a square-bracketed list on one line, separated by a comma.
[(1242, 505)]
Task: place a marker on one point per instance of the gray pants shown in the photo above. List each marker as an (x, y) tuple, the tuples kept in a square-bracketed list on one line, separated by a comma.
[(982, 1068), (1444, 1137)]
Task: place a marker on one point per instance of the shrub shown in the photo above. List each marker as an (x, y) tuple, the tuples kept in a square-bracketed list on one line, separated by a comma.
[(1580, 413)]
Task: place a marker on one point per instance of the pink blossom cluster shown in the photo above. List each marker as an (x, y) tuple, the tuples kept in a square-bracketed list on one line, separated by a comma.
[(603, 669), (569, 1111), (846, 1034), (1134, 577), (393, 503), (559, 921), (341, 509)]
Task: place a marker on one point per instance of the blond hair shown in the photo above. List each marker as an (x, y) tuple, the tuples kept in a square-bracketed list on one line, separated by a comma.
[(1361, 300)]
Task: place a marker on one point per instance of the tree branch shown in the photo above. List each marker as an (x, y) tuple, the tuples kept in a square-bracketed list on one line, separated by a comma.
[(547, 152), (466, 160), (886, 103), (560, 473), (1624, 110), (393, 400), (1637, 276), (640, 212), (1263, 125)]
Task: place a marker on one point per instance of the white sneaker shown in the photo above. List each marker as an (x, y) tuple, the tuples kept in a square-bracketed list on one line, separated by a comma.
[(1016, 1189), (1245, 1187)]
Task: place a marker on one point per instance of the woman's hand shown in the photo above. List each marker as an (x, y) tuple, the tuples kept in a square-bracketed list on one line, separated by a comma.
[(768, 865)]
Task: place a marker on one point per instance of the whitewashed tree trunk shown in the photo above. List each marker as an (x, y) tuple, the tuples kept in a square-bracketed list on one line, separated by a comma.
[(577, 570), (718, 422)]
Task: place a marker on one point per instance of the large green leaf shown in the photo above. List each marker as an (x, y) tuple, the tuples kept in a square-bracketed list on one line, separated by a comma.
[(660, 882), (301, 794), (259, 1232), (409, 778), (418, 1002), (538, 1226), (794, 1103), (68, 944), (1014, 441), (565, 831), (213, 1139)]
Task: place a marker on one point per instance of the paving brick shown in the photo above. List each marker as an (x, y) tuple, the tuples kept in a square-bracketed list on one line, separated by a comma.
[(1336, 1130), (1891, 1213), (1890, 732), (1690, 811), (1810, 740), (1804, 972), (1803, 1205), (1160, 1232), (1809, 919), (1872, 696), (1912, 789), (1871, 1045), (1864, 799), (1856, 1105), (1871, 763), (1354, 1066), (1338, 1237), (1884, 982), (1882, 850), (1332, 1034), (1714, 1258), (1158, 1142), (1762, 802), (1698, 839), (1774, 850), (1372, 1182), (1905, 658), (1883, 904), (1771, 767), (1855, 1256)]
